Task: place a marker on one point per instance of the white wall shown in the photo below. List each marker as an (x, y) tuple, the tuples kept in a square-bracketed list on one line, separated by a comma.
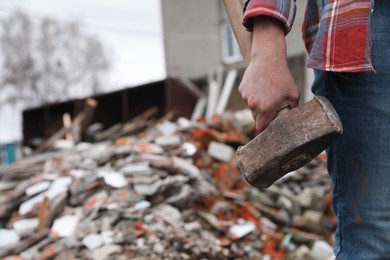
[(10, 124)]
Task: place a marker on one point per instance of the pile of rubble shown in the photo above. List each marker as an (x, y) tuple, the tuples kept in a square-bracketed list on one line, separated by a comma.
[(160, 190)]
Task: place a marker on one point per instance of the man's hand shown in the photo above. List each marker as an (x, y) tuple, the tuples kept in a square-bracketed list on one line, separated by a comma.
[(268, 86)]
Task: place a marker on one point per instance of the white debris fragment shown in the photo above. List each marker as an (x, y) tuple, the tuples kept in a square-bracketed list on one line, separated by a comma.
[(322, 251), (115, 179), (147, 189), (77, 173), (25, 226), (186, 166), (168, 140), (108, 237), (313, 216), (65, 226), (111, 237), (104, 252), (30, 204), (158, 248), (306, 197), (134, 168), (268, 224), (93, 241), (167, 128), (242, 229), (143, 204), (220, 151), (211, 219), (59, 186), (37, 188), (184, 123), (169, 214), (140, 243), (63, 144), (195, 225), (82, 146), (189, 149), (8, 237), (243, 118), (96, 201), (148, 148), (8, 185)]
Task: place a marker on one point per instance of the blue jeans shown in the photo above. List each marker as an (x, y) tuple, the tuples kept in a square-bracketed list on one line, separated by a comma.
[(359, 160)]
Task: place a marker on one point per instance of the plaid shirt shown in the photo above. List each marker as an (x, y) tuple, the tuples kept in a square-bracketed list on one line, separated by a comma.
[(336, 32)]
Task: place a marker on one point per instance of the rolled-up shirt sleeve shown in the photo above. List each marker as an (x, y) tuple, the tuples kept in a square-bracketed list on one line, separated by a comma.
[(282, 10)]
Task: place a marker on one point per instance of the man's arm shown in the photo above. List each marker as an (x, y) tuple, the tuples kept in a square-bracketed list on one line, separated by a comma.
[(268, 86)]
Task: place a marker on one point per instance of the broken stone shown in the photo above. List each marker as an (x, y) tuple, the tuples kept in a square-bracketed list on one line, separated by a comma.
[(124, 195), (188, 149), (110, 237), (169, 214), (192, 226), (140, 168), (167, 128), (182, 198), (220, 151), (184, 123), (30, 204), (25, 226), (8, 237), (168, 140), (321, 250), (144, 204), (186, 167), (37, 188), (262, 197), (77, 173), (152, 197), (312, 216), (158, 248), (302, 253), (94, 203), (6, 186), (210, 219), (64, 226), (285, 203), (59, 186), (105, 251), (268, 225), (63, 144), (148, 148), (115, 179), (147, 189), (306, 198), (242, 229), (93, 241)]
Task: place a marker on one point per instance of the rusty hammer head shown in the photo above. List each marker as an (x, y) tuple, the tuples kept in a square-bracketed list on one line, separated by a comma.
[(289, 142)]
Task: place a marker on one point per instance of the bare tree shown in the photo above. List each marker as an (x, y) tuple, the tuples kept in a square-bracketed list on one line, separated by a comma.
[(48, 60)]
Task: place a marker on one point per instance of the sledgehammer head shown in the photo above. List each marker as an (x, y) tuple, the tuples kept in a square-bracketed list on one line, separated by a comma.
[(289, 142)]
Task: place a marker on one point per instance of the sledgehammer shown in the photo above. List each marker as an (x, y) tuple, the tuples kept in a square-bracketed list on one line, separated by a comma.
[(293, 138)]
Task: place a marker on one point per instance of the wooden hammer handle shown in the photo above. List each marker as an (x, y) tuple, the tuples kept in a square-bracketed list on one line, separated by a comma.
[(282, 111), (244, 38)]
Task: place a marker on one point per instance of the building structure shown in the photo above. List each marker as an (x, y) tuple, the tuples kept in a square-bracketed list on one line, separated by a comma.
[(198, 39)]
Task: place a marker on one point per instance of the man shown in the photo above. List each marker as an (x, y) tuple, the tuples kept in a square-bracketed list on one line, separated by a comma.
[(349, 49)]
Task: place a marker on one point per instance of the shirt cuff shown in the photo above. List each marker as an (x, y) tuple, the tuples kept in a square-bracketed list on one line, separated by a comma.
[(282, 10)]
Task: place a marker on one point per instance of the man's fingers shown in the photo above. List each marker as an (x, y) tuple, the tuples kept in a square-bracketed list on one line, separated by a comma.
[(254, 115), (262, 121)]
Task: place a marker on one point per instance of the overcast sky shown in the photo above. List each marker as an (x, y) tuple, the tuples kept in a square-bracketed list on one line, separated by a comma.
[(130, 29)]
